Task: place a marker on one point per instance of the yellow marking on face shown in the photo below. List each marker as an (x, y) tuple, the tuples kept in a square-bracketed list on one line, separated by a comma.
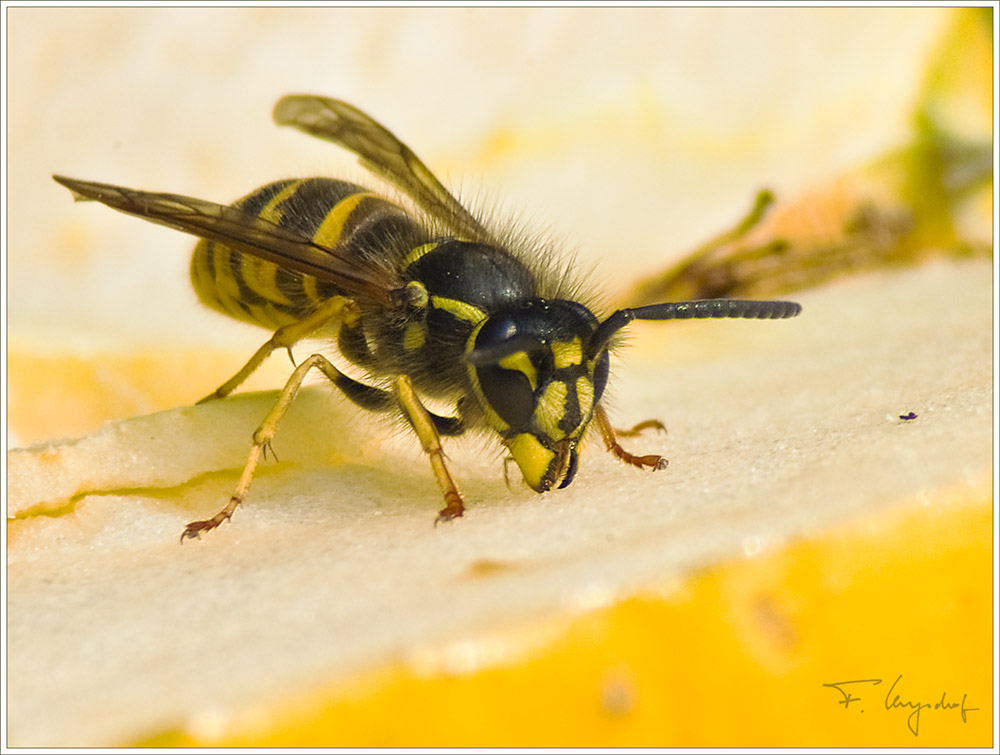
[(414, 336), (567, 353), (459, 309), (260, 276), (418, 252), (585, 396), (270, 210), (333, 224), (550, 409), (533, 459), (519, 362)]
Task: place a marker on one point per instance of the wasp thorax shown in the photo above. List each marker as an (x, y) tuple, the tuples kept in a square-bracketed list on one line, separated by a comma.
[(531, 373)]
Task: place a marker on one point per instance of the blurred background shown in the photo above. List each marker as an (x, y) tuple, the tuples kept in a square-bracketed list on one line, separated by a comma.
[(631, 135)]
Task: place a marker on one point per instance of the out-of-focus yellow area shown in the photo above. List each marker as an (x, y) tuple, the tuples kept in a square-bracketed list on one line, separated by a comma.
[(926, 199), (890, 616), (68, 395), (72, 394)]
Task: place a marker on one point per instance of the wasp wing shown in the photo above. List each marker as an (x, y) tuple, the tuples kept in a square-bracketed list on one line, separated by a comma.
[(381, 153), (242, 232)]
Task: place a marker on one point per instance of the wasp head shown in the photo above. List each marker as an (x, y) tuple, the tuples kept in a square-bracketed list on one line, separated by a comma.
[(538, 383)]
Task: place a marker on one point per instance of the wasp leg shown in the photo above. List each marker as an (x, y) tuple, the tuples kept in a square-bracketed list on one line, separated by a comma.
[(264, 434), (611, 443), (376, 400), (427, 431), (646, 424), (365, 396), (336, 308)]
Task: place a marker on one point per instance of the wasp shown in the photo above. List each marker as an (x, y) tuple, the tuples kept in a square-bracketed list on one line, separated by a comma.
[(429, 300)]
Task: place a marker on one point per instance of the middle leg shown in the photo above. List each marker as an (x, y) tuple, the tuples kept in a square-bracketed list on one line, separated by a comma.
[(426, 429)]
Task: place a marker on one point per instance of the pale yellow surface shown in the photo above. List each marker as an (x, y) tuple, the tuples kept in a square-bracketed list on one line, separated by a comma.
[(733, 656), (331, 610), (333, 565)]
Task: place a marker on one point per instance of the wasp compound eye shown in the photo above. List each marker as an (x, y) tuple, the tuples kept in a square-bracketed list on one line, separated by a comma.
[(509, 393), (505, 369), (600, 376)]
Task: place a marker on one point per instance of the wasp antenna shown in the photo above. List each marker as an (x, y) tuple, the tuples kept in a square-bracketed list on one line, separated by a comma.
[(699, 309), (76, 187), (718, 308)]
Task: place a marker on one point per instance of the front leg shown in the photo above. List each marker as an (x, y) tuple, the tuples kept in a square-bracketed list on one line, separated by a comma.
[(652, 461)]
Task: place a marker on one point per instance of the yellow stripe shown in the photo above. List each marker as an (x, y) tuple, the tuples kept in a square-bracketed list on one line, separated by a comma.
[(269, 317), (270, 211), (310, 290), (201, 276), (414, 336), (333, 224), (419, 252), (233, 309), (260, 276), (227, 290), (459, 309)]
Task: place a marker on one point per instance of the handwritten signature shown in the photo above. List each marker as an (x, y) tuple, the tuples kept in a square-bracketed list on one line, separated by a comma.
[(893, 701)]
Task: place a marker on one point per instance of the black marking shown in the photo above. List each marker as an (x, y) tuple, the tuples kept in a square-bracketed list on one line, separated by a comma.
[(366, 396), (447, 425), (487, 277), (353, 344), (571, 418)]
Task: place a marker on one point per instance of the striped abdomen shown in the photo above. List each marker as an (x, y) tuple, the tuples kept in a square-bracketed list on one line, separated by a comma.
[(332, 213)]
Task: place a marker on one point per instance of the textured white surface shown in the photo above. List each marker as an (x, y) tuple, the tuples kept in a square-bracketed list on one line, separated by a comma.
[(775, 430)]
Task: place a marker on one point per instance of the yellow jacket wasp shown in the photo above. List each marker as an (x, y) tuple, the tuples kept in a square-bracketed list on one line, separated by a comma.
[(428, 302)]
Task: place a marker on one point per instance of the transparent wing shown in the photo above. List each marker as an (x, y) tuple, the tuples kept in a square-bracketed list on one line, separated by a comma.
[(381, 153), (244, 233)]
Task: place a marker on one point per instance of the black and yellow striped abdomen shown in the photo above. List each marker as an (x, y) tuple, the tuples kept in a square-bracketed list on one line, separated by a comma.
[(334, 214)]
